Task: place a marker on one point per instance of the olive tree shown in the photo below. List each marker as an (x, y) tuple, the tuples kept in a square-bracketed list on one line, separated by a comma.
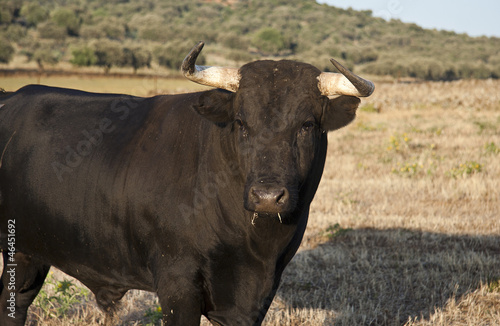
[(6, 50)]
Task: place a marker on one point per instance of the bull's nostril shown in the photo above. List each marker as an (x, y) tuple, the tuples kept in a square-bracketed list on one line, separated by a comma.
[(282, 197), (256, 195)]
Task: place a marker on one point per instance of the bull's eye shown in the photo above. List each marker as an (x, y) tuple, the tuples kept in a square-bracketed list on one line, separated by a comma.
[(239, 123), (308, 126), (241, 126)]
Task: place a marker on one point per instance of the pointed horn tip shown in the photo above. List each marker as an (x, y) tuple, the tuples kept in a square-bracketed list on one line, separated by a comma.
[(199, 46), (369, 91), (335, 62), (372, 89), (188, 64)]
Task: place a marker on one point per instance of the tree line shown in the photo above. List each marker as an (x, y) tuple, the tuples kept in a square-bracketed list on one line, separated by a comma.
[(123, 33)]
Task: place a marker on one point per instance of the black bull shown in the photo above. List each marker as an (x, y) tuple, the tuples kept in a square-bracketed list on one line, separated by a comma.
[(202, 198)]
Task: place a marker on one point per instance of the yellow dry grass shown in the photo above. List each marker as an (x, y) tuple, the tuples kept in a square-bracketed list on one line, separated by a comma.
[(410, 198)]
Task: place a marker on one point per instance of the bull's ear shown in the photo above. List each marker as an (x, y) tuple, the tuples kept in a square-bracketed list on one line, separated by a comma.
[(216, 106), (339, 112)]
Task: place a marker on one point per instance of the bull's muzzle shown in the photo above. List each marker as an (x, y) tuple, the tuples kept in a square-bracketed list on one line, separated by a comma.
[(268, 199)]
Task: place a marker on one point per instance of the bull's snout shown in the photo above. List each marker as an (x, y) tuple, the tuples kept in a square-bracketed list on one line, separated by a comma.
[(268, 200)]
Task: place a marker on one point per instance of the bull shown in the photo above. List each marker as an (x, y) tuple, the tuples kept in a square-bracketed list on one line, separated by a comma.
[(202, 197)]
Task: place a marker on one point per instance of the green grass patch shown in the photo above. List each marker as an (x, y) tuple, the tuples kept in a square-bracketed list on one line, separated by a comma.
[(370, 108), (464, 170), (407, 169), (491, 149), (335, 231), (154, 315), (57, 298)]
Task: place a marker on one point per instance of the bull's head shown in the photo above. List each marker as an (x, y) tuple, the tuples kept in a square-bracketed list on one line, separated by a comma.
[(276, 114)]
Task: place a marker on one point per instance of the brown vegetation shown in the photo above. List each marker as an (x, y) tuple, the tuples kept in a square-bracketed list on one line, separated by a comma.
[(404, 229)]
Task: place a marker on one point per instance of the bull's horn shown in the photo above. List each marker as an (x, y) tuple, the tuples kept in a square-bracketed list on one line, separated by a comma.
[(346, 83), (225, 78)]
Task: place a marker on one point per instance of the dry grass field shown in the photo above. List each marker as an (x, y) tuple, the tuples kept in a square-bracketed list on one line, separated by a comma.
[(404, 229)]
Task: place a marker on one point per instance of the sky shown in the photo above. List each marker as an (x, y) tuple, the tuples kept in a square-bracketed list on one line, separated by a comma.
[(476, 18)]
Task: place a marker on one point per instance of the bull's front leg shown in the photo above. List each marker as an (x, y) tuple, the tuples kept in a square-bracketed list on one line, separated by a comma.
[(240, 295), (179, 296), (243, 316)]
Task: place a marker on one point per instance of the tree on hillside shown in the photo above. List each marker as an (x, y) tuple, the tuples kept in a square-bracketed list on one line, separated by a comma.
[(50, 30), (67, 19), (269, 41), (136, 57), (172, 54), (16, 33), (112, 28), (109, 53), (83, 57), (34, 14), (233, 40), (7, 11), (149, 26), (43, 54), (46, 55), (245, 30), (6, 50)]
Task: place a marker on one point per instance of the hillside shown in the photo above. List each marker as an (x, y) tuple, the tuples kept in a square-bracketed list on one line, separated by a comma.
[(122, 33)]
